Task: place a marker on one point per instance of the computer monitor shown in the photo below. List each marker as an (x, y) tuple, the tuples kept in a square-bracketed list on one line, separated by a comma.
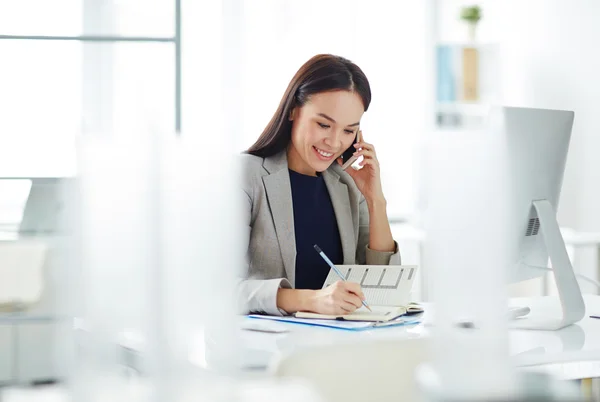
[(537, 144)]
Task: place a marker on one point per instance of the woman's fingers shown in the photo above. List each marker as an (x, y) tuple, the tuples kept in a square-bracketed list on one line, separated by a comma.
[(354, 287), (353, 299), (366, 153), (348, 307), (364, 145), (369, 161)]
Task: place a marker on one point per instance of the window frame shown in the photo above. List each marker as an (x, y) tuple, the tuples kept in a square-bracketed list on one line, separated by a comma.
[(93, 10), (95, 13)]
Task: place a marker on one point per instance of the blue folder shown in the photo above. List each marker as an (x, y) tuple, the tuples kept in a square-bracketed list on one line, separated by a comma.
[(342, 324)]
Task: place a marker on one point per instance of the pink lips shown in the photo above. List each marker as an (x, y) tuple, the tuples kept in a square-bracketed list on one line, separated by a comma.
[(322, 157)]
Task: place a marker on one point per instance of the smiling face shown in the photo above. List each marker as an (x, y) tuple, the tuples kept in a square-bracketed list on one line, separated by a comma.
[(322, 129)]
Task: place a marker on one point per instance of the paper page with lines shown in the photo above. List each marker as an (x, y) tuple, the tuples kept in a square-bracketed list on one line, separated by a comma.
[(383, 285)]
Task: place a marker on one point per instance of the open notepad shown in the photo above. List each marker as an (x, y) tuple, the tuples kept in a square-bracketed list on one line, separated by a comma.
[(379, 313), (386, 289)]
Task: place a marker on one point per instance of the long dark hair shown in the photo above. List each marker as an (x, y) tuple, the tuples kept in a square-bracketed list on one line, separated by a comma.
[(322, 73)]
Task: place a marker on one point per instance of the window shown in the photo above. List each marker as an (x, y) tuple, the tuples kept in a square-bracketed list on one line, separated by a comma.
[(95, 67), (11, 208), (31, 17), (140, 18), (41, 96)]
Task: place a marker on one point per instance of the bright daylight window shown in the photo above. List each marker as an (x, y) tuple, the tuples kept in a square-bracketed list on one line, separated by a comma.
[(79, 67)]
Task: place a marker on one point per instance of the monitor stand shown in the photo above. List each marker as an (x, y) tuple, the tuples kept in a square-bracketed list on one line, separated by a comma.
[(571, 300)]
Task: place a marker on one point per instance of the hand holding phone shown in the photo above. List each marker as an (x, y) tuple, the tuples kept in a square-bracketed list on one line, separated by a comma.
[(366, 174), (348, 157)]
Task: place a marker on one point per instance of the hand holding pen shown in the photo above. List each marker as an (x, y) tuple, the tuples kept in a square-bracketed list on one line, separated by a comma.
[(353, 289)]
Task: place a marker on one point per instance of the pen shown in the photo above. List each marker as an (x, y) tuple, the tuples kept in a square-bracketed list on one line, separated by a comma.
[(594, 316), (338, 273)]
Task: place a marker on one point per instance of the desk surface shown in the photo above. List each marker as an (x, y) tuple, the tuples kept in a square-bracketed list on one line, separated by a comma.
[(571, 353)]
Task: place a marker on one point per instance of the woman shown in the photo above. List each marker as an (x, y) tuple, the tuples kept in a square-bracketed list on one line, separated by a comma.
[(297, 195)]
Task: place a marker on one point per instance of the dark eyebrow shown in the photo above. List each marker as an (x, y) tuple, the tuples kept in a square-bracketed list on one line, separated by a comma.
[(323, 115)]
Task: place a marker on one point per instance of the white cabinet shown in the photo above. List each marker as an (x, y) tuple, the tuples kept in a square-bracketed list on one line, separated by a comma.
[(38, 357), (6, 354)]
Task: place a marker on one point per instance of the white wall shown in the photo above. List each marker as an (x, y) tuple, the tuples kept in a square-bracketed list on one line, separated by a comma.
[(549, 59)]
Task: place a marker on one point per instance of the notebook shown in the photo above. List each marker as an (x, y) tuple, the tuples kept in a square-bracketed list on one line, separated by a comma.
[(386, 288), (379, 313)]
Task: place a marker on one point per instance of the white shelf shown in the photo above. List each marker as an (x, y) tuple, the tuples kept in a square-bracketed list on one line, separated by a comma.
[(470, 44), (470, 108), (461, 115)]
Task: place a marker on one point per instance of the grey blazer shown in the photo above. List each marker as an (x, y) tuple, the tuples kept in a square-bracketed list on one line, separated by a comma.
[(269, 229)]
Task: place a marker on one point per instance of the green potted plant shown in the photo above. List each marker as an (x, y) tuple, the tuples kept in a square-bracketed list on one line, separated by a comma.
[(471, 15)]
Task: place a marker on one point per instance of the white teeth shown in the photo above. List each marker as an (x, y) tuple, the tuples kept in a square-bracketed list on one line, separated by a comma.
[(325, 154)]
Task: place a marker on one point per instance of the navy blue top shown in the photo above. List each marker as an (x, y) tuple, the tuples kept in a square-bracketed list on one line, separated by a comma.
[(314, 223)]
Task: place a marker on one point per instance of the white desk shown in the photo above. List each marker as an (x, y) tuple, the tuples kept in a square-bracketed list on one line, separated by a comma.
[(571, 353)]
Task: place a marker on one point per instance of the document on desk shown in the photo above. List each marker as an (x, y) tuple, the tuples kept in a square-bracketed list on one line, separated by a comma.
[(386, 288), (341, 324), (383, 285)]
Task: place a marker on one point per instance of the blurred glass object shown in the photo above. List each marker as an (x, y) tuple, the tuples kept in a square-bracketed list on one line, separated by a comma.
[(157, 267), (468, 249), (108, 17), (119, 259)]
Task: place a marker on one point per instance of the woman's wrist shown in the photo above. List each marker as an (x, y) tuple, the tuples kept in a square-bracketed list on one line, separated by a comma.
[(380, 234), (292, 300), (377, 203), (307, 298)]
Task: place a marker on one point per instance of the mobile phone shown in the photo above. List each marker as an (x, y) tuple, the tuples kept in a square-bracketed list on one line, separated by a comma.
[(347, 157)]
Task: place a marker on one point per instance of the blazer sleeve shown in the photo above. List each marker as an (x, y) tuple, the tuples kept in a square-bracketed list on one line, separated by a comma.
[(255, 295), (364, 255)]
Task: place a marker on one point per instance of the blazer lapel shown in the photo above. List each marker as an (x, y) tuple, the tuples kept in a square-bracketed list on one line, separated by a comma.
[(338, 192), (279, 195)]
